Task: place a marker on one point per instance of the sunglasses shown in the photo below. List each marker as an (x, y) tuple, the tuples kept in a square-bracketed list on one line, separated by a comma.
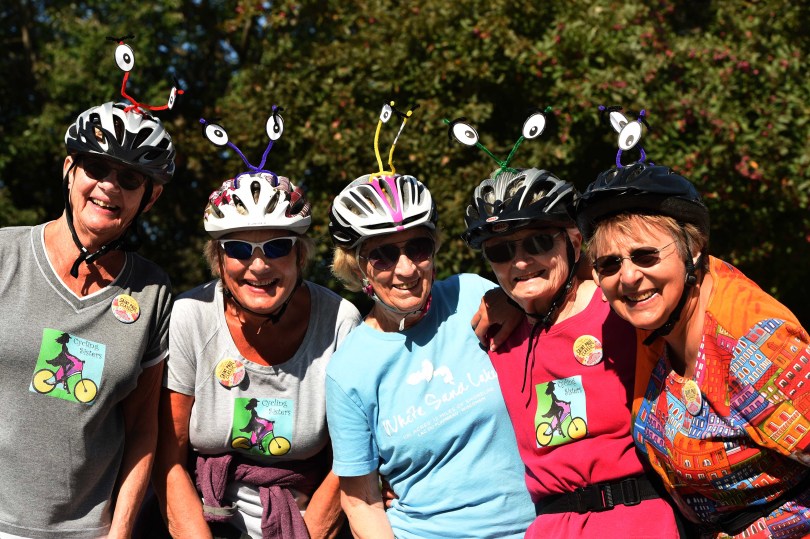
[(243, 250), (505, 251), (99, 170), (645, 257), (385, 257)]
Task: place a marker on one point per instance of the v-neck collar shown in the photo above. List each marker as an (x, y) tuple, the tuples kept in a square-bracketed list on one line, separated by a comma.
[(69, 296)]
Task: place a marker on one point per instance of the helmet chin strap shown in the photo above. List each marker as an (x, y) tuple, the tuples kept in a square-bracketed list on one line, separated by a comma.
[(545, 321), (689, 282), (273, 317), (119, 243), (369, 290)]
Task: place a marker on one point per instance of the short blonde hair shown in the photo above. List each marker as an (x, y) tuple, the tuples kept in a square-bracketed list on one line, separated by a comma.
[(346, 266), (304, 246), (688, 237)]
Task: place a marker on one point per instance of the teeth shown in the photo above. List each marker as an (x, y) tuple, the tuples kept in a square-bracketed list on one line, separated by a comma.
[(527, 277), (103, 204), (406, 286), (261, 283), (641, 297)]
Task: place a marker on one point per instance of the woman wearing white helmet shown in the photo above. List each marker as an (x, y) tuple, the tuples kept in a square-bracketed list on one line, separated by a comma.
[(244, 387), (411, 397), (85, 325)]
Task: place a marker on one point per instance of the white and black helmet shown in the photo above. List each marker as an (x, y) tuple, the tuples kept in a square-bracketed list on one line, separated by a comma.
[(257, 201), (132, 137), (372, 205), (515, 199)]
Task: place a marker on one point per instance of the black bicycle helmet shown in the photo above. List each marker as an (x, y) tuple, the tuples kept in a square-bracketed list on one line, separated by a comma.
[(514, 200), (641, 188)]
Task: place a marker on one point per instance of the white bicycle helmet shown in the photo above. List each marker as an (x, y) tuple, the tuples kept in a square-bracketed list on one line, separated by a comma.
[(373, 205), (257, 201), (132, 137)]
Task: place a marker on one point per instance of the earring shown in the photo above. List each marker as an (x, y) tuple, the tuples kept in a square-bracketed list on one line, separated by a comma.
[(367, 288)]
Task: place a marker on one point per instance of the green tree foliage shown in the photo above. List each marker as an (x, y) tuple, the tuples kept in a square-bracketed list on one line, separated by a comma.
[(722, 83)]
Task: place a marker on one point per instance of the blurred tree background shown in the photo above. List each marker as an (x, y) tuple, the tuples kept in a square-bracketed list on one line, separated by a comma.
[(722, 81)]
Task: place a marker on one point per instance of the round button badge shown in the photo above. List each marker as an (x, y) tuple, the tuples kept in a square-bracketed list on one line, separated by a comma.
[(230, 372), (692, 397), (125, 308), (588, 350)]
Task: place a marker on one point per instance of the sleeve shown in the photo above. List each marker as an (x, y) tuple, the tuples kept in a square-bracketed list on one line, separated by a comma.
[(774, 358), (348, 319), (181, 367), (158, 347), (353, 447)]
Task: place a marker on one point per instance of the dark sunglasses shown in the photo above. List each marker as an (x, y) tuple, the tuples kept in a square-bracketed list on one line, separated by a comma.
[(243, 250), (385, 257), (505, 251), (645, 257), (99, 169)]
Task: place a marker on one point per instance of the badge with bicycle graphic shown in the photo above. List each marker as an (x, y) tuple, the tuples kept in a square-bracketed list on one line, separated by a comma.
[(561, 416), (263, 426), (68, 367)]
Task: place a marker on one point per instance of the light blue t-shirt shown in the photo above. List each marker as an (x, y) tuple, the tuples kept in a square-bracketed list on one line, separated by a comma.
[(424, 407)]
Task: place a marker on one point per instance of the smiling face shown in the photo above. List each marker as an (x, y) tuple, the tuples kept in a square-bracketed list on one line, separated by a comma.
[(259, 283), (102, 210), (644, 296), (532, 280), (406, 286)]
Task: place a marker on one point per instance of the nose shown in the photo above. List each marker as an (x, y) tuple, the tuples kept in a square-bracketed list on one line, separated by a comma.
[(522, 256), (405, 266), (257, 260), (110, 178), (629, 273)]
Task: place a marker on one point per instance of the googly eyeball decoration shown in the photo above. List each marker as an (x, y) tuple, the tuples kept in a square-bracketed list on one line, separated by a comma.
[(125, 60), (274, 128), (629, 131), (461, 131), (389, 111)]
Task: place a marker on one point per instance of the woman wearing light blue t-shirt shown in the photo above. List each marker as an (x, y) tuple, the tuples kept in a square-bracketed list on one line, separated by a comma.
[(411, 397)]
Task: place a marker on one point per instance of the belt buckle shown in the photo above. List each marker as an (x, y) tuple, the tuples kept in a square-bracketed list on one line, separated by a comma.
[(630, 491), (594, 498)]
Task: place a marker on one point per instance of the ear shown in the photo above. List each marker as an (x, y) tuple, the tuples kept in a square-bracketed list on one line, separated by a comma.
[(65, 167), (156, 191), (576, 242)]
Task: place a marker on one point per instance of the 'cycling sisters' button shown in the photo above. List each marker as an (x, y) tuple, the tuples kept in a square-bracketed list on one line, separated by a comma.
[(230, 372), (126, 308), (692, 397), (588, 350)]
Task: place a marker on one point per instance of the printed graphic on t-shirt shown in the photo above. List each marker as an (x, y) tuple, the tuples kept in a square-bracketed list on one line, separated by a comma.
[(435, 396), (561, 416), (263, 425), (68, 367)]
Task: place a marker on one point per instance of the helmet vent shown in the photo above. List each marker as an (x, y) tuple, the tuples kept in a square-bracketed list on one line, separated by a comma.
[(239, 205), (143, 135), (213, 209), (273, 202), (536, 194), (99, 135), (513, 189), (118, 125), (255, 191), (386, 191)]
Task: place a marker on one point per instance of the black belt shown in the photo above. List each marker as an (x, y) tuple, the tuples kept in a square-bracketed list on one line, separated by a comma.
[(599, 497)]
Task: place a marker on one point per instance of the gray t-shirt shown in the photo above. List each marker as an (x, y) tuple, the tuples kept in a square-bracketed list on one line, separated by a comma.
[(276, 413), (67, 364)]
